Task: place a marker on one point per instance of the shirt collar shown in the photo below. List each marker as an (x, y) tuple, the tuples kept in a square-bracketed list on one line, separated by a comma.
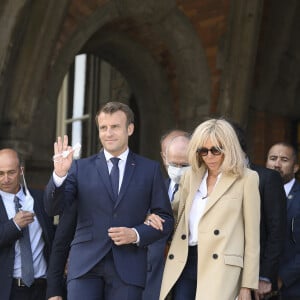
[(20, 194), (122, 156), (288, 186)]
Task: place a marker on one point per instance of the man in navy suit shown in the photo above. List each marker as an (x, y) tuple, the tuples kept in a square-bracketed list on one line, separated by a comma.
[(31, 217), (176, 161), (272, 224), (282, 157), (64, 234), (108, 256)]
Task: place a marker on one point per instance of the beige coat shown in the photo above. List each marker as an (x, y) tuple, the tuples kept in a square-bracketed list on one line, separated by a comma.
[(228, 237)]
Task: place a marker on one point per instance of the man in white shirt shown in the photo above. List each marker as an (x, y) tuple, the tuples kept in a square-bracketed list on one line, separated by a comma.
[(22, 217)]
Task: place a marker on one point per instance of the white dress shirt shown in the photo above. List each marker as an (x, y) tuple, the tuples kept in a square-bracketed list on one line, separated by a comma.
[(171, 189), (122, 163), (288, 186), (197, 209)]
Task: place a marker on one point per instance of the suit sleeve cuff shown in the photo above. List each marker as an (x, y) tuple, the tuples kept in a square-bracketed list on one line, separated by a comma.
[(264, 279), (17, 225)]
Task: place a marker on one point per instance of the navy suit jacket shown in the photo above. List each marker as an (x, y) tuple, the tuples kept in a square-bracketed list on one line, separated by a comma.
[(142, 191), (64, 234), (156, 263), (9, 234), (272, 223), (289, 269)]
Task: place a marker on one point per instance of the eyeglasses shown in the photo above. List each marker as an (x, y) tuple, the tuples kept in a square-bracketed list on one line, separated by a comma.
[(213, 150)]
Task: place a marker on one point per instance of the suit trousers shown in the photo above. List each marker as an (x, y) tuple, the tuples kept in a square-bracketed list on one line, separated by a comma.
[(103, 283), (185, 287), (36, 292), (156, 261)]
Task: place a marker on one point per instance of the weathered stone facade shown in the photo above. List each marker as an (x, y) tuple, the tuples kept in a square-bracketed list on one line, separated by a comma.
[(183, 61)]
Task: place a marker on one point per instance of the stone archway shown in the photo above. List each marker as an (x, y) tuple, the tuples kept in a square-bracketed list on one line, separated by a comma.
[(166, 68)]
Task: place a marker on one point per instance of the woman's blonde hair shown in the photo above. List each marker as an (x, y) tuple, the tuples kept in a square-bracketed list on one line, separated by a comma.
[(223, 136)]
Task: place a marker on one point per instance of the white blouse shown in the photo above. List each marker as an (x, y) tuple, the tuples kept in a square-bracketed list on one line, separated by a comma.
[(197, 209)]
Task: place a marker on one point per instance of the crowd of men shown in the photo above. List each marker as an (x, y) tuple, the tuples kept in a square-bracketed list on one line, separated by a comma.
[(103, 241)]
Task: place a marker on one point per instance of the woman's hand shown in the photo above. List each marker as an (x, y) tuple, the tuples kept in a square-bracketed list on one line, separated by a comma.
[(155, 221)]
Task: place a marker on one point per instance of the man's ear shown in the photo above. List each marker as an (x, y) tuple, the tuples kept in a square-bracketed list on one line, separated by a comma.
[(130, 129), (296, 168)]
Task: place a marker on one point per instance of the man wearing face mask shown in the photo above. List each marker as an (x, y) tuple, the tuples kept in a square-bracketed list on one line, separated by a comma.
[(176, 163), (26, 234)]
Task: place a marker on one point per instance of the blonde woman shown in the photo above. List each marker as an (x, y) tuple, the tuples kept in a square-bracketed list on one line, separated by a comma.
[(214, 253)]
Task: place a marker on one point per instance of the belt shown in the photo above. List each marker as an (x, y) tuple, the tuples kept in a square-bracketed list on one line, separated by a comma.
[(38, 281)]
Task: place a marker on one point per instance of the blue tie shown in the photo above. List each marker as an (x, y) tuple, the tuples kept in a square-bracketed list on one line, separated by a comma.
[(175, 190), (27, 273), (114, 176)]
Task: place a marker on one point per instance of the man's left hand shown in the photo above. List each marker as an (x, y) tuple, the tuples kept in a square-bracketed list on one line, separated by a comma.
[(264, 288), (122, 235)]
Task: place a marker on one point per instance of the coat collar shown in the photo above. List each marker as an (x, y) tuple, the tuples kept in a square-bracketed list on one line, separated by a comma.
[(292, 194), (223, 185), (3, 214)]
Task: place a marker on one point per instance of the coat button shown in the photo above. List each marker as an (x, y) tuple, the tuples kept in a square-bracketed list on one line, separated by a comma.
[(216, 232), (183, 237), (171, 256), (215, 256)]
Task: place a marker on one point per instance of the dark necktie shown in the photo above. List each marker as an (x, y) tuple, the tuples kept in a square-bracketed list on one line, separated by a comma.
[(114, 176), (175, 190), (26, 253)]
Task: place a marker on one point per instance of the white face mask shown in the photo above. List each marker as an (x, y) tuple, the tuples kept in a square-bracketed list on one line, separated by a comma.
[(29, 198), (175, 173)]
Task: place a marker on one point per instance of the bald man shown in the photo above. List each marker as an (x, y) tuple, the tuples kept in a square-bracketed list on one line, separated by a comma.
[(167, 138), (22, 214), (176, 162)]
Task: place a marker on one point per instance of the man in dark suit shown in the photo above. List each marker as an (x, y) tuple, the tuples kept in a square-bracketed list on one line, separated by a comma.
[(282, 157), (272, 230), (272, 224), (114, 191), (64, 234), (176, 162), (22, 217)]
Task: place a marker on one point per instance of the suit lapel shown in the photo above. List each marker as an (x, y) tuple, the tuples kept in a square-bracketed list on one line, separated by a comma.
[(101, 166), (129, 170), (290, 203), (3, 214), (195, 179), (222, 186), (167, 183)]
